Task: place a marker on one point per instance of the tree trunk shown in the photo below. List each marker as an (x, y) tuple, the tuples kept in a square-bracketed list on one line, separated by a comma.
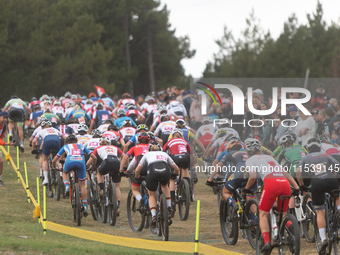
[(150, 59), (127, 51)]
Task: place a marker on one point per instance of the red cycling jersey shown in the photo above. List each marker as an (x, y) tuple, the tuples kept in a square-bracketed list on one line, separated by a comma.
[(177, 146), (138, 151)]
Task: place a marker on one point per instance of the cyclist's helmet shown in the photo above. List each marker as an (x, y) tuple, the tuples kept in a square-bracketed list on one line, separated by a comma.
[(151, 99), (177, 130), (234, 145), (61, 98), (62, 121), (96, 132), (71, 139), (126, 95), (74, 97), (34, 99), (155, 147), (206, 119), (324, 138), (112, 127), (99, 105), (83, 97), (142, 127), (285, 138), (104, 138), (14, 97), (42, 119), (46, 123), (131, 107), (89, 101), (82, 127), (68, 94), (313, 145), (292, 134), (127, 123), (164, 117), (221, 133), (121, 112), (252, 144), (56, 102), (36, 106), (181, 123), (151, 135), (143, 138)]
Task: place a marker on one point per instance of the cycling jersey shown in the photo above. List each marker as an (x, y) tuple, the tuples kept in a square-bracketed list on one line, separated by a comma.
[(119, 121), (104, 151), (92, 144), (100, 116), (33, 103), (16, 103), (48, 131), (59, 111), (127, 133), (177, 146), (77, 114), (83, 139), (75, 158), (88, 109), (150, 108), (36, 116), (165, 128), (66, 101), (103, 127), (138, 151), (124, 102), (177, 108), (279, 149), (133, 113), (157, 120), (51, 117), (229, 131), (112, 135), (187, 135), (65, 130), (205, 133), (74, 126), (291, 156)]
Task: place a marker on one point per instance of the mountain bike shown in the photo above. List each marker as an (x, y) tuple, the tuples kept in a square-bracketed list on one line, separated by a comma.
[(92, 195), (332, 225), (287, 240)]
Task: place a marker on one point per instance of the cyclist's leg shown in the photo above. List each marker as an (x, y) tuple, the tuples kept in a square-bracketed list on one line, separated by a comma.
[(100, 173), (116, 178), (81, 179), (152, 184)]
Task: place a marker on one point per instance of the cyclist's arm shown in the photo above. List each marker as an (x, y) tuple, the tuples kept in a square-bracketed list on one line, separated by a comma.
[(159, 141), (173, 165), (200, 145), (290, 179), (124, 162), (251, 180), (139, 167)]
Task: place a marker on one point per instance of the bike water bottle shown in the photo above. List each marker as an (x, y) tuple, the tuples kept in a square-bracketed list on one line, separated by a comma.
[(145, 200), (240, 210)]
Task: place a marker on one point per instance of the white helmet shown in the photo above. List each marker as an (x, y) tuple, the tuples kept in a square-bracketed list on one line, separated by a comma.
[(70, 104), (68, 94), (121, 112), (56, 102), (74, 97), (206, 119), (82, 127), (252, 144), (89, 101), (177, 130), (104, 138)]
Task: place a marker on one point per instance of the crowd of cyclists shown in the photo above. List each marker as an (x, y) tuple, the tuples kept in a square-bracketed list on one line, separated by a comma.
[(159, 139)]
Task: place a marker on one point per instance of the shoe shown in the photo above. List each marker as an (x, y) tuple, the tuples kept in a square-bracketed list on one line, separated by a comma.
[(170, 210), (2, 183), (153, 222), (45, 182), (210, 184), (195, 180), (266, 249), (22, 149), (323, 246), (141, 205), (85, 212), (11, 137), (118, 212)]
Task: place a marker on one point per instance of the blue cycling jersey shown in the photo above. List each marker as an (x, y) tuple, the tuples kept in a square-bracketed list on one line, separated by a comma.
[(119, 122)]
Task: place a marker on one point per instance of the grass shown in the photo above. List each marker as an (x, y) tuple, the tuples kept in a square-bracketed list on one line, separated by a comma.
[(16, 221)]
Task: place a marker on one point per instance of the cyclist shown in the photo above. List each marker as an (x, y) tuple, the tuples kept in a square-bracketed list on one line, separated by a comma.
[(165, 128), (50, 141), (215, 147), (3, 127), (57, 109), (88, 106), (137, 151), (180, 152), (175, 108), (33, 102), (79, 114), (127, 131), (157, 116), (319, 167), (50, 116), (93, 143), (157, 171), (67, 99), (140, 128), (121, 118), (82, 136), (328, 148), (206, 131), (15, 108), (74, 124), (134, 114), (75, 158), (276, 184), (110, 164), (113, 134), (35, 116), (103, 127), (277, 151), (126, 99), (99, 116), (64, 129)]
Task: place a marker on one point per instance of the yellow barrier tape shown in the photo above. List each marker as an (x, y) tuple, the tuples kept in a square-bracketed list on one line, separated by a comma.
[(170, 246), (137, 243)]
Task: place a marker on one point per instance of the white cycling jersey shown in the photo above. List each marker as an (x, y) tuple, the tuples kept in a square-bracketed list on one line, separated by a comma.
[(165, 127), (74, 126), (107, 150), (48, 131), (58, 110), (263, 165), (92, 144), (156, 156), (36, 131), (83, 139)]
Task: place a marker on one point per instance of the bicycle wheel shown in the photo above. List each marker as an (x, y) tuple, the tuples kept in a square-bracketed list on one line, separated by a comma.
[(308, 224), (77, 205), (251, 218), (336, 222), (164, 218), (136, 216), (57, 186), (290, 237), (219, 199), (183, 200), (192, 189), (103, 207), (229, 226), (112, 204), (317, 236), (49, 189), (91, 199), (16, 136)]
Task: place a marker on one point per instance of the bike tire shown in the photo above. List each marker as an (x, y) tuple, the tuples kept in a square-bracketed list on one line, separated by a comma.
[(291, 237), (135, 217), (184, 200), (16, 136), (49, 188), (77, 206), (91, 197), (317, 236), (229, 227), (336, 231), (103, 207), (112, 204), (164, 218), (57, 190), (308, 223), (251, 231), (219, 199)]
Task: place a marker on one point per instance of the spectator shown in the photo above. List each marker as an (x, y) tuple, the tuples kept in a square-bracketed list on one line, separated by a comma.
[(266, 133), (305, 127), (336, 135), (318, 97), (195, 111), (187, 100), (323, 126), (316, 117), (330, 118), (334, 104)]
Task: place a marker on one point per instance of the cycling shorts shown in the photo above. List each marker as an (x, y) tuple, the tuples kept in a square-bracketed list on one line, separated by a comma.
[(16, 114), (320, 187), (143, 172), (158, 171), (274, 187), (78, 162), (234, 182), (51, 142), (182, 160), (111, 166)]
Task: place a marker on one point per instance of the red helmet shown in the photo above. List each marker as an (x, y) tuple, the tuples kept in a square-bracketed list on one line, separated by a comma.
[(143, 138)]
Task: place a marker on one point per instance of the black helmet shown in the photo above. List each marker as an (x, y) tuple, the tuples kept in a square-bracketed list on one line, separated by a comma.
[(62, 120), (313, 145), (36, 106), (71, 138), (113, 127), (13, 97)]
